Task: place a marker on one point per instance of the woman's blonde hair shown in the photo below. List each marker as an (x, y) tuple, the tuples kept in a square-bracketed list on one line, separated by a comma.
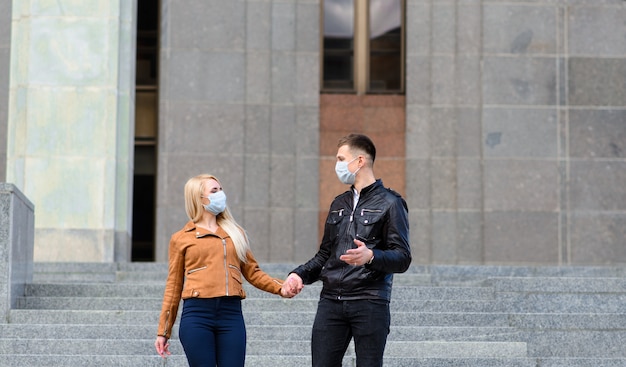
[(194, 190)]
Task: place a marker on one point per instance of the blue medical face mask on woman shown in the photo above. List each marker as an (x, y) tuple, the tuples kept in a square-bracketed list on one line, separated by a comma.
[(217, 203), (343, 172)]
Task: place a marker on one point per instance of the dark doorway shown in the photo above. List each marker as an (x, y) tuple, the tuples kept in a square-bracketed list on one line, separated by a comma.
[(146, 127)]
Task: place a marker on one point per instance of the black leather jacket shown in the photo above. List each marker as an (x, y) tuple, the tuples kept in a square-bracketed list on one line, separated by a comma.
[(380, 219)]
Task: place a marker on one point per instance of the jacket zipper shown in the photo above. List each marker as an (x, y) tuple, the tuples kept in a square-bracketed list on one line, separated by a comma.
[(196, 269), (167, 319), (238, 271), (338, 212), (225, 266), (348, 233), (225, 259), (370, 211)]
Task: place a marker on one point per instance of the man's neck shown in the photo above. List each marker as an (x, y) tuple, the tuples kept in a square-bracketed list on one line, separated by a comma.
[(364, 180)]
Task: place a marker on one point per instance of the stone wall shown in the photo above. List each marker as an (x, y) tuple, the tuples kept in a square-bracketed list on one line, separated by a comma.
[(516, 131), (17, 222), (238, 98)]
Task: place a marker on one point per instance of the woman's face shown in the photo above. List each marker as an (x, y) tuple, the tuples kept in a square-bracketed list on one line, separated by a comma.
[(210, 187)]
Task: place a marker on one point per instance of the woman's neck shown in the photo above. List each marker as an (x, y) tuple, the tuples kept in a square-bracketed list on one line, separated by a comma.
[(208, 221)]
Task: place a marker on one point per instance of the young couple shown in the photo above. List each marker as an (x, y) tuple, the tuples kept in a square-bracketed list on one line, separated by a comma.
[(366, 240)]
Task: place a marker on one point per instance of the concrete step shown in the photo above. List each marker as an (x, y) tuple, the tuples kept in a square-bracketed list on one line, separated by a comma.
[(509, 302), (121, 317), (576, 344), (441, 316), (97, 317), (80, 331), (148, 304), (568, 321), (159, 277), (72, 347), (562, 303), (120, 346), (447, 274), (581, 362), (94, 290), (468, 274), (256, 361), (258, 332), (55, 360), (74, 272), (576, 285), (132, 290)]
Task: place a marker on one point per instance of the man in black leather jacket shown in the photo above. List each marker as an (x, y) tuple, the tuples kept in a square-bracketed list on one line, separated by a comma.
[(366, 240)]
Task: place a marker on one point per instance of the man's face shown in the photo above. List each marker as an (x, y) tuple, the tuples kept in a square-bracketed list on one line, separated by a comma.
[(344, 155)]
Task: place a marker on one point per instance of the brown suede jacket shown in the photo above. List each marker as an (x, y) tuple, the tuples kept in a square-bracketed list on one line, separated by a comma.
[(205, 265)]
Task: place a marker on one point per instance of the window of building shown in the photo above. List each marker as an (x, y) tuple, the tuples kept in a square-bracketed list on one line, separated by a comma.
[(363, 45)]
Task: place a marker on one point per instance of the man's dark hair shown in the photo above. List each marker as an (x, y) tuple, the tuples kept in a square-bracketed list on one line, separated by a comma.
[(359, 142)]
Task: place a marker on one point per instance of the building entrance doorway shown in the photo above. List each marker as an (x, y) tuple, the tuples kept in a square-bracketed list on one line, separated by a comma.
[(146, 127)]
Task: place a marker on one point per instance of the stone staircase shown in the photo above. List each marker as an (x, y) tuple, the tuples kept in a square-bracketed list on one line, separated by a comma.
[(84, 315)]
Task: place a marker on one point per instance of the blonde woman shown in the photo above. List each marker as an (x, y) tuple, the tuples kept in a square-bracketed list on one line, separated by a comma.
[(208, 259)]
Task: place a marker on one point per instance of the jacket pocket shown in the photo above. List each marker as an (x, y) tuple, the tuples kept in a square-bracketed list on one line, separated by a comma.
[(237, 278), (334, 219), (235, 273), (369, 222), (191, 271), (193, 276)]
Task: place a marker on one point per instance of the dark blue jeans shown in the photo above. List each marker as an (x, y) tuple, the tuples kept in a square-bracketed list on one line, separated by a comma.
[(212, 332), (336, 322)]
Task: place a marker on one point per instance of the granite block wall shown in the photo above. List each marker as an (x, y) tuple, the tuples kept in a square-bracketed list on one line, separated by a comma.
[(238, 98), (516, 128), (17, 222)]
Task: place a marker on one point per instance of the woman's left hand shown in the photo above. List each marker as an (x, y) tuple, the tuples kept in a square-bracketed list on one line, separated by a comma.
[(162, 346)]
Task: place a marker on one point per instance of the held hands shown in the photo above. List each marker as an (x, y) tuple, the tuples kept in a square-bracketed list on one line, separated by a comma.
[(292, 286), (162, 346), (357, 256)]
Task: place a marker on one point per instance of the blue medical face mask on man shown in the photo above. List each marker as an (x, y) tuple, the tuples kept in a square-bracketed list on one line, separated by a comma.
[(217, 203), (343, 172)]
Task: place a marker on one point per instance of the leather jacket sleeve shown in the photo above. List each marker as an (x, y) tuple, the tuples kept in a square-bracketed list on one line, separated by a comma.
[(310, 271)]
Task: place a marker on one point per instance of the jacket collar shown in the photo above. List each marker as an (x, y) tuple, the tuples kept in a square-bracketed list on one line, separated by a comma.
[(201, 232), (367, 189)]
